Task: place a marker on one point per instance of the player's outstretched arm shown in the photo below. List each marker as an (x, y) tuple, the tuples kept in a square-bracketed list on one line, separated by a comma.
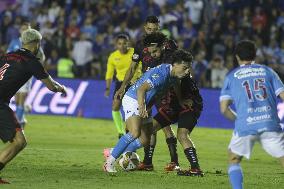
[(54, 86), (128, 76), (141, 99), (226, 110)]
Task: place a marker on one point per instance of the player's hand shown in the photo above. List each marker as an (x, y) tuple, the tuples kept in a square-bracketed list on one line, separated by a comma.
[(143, 111), (63, 91), (186, 103), (119, 93), (107, 91)]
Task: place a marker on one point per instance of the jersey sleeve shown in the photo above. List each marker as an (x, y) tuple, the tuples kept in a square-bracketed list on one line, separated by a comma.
[(110, 68), (37, 69), (157, 77), (276, 83), (136, 57), (226, 90)]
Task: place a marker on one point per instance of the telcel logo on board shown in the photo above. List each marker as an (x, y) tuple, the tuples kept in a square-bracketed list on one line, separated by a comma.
[(57, 104)]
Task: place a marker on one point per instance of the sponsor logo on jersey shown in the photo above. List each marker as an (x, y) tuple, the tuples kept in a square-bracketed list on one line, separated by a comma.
[(249, 72), (254, 119)]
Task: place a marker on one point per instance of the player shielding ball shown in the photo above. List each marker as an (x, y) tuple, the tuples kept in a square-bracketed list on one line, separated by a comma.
[(182, 104), (139, 99), (253, 89), (141, 54), (16, 69)]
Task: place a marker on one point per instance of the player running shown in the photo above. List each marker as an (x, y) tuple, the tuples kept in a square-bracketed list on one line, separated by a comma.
[(22, 94), (253, 89), (119, 62), (139, 99), (16, 69)]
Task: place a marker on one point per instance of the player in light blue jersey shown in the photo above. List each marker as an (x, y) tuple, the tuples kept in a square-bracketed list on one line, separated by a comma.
[(139, 98), (253, 89)]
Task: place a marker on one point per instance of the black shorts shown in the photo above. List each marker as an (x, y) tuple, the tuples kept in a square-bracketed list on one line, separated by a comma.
[(117, 86), (170, 112), (8, 123)]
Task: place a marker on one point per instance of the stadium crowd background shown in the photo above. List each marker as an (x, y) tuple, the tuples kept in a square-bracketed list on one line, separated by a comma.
[(79, 35)]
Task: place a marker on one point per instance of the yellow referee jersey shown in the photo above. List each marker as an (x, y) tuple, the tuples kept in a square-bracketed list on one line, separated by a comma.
[(120, 63)]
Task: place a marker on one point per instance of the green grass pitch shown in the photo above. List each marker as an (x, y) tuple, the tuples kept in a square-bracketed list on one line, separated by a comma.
[(65, 152)]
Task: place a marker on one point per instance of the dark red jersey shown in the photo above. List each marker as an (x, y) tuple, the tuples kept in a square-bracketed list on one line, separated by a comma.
[(142, 54), (16, 69)]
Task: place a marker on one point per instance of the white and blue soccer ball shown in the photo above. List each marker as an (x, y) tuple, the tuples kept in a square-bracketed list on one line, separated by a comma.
[(129, 161)]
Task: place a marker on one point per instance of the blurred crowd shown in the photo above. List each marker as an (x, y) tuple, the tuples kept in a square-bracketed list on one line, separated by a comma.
[(79, 35)]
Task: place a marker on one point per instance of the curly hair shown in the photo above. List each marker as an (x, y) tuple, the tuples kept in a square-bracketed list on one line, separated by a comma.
[(156, 38), (181, 56)]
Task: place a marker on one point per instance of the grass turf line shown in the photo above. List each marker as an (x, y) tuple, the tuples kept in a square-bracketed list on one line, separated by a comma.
[(65, 152)]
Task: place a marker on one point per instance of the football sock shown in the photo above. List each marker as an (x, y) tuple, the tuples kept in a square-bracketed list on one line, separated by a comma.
[(190, 154), (20, 112), (133, 146), (122, 144), (236, 176), (172, 145), (2, 165), (149, 150), (118, 121)]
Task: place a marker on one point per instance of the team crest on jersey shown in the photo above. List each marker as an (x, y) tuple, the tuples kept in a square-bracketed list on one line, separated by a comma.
[(155, 76)]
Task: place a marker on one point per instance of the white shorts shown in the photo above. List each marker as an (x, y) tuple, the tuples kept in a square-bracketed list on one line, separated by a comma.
[(26, 87), (130, 108), (271, 142)]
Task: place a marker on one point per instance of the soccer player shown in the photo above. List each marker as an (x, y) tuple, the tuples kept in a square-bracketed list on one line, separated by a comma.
[(119, 62), (16, 69), (171, 108), (22, 94), (254, 89), (141, 54), (139, 99)]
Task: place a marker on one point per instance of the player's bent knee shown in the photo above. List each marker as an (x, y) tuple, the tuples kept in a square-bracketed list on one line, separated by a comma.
[(234, 158), (168, 132), (135, 134)]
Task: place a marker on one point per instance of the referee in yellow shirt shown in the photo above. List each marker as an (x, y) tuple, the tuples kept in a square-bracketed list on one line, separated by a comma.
[(118, 62)]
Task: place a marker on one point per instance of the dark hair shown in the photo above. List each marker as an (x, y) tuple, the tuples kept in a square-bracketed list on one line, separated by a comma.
[(246, 50), (181, 55), (122, 36), (152, 19), (156, 38)]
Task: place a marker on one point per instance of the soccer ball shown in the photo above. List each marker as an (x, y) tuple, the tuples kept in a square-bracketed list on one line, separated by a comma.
[(129, 161)]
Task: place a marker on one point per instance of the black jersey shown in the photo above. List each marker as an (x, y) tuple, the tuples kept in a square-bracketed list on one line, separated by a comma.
[(189, 90), (142, 54), (16, 69)]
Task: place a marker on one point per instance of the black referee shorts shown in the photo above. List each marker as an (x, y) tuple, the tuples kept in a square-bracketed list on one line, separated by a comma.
[(8, 123), (117, 86)]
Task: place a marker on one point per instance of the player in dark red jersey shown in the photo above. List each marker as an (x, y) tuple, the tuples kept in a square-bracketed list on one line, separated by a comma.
[(182, 105), (141, 54), (16, 69)]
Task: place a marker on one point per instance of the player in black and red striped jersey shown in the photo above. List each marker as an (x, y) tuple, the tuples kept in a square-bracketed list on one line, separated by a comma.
[(16, 69), (182, 104), (142, 54)]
